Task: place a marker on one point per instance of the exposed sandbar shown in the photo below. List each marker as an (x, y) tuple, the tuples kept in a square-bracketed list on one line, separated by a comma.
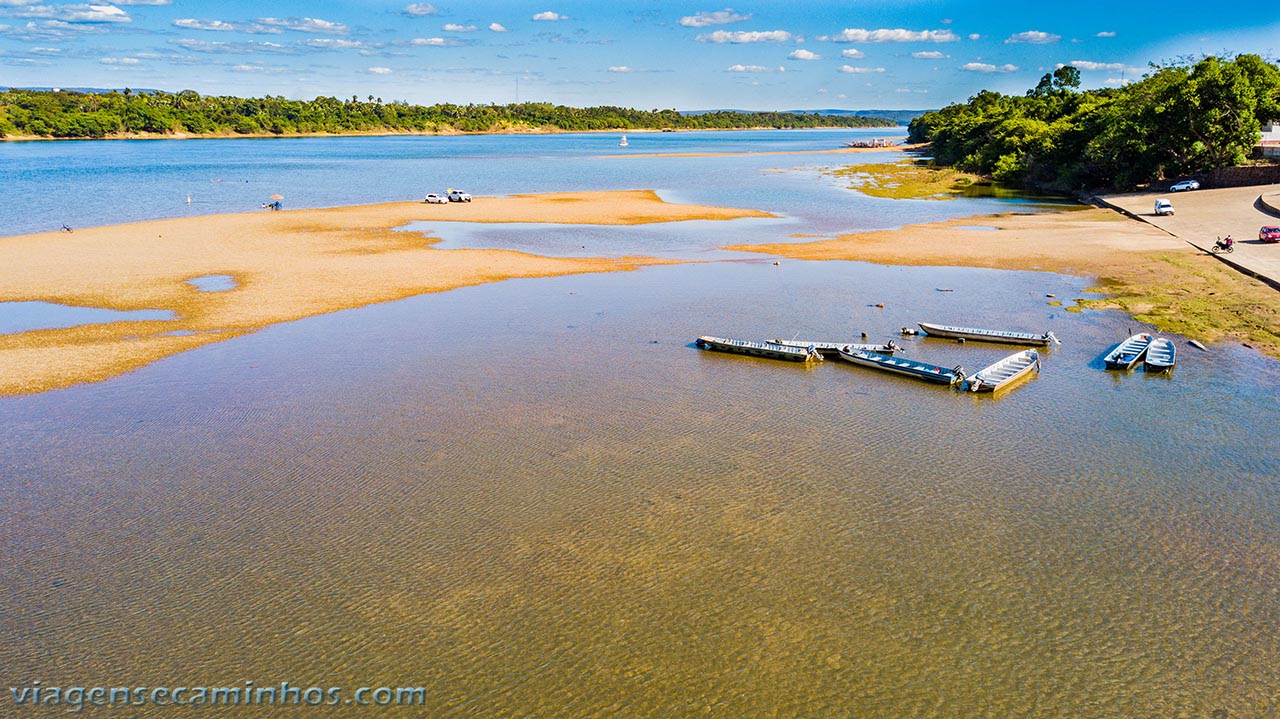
[(1148, 272), (287, 265)]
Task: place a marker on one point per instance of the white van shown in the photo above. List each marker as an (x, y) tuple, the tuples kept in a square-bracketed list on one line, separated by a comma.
[(1164, 207)]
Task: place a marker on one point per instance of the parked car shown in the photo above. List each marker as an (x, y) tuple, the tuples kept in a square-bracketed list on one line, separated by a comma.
[(458, 196), (1269, 234), (434, 199), (1184, 186), (1164, 207)]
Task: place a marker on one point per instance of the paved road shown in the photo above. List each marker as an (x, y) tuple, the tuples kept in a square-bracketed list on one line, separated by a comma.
[(1201, 216)]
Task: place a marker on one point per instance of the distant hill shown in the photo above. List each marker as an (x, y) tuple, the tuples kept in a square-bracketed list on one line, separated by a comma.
[(86, 90), (902, 117)]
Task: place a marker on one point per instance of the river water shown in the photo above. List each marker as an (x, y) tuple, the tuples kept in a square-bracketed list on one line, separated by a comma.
[(538, 498)]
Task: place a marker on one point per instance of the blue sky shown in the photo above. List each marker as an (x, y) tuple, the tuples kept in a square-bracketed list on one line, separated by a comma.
[(854, 54)]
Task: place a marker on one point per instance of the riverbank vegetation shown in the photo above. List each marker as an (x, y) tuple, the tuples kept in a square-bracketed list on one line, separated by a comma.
[(67, 114), (912, 180), (1180, 119)]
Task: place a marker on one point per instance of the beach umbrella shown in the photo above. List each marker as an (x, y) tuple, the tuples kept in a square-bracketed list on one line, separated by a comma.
[(277, 197)]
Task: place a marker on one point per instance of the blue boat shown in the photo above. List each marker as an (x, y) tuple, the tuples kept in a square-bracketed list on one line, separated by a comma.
[(901, 365)]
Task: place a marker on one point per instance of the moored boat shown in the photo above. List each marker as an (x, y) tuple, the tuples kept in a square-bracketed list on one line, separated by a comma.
[(903, 366), (1128, 353), (973, 333), (830, 349), (1005, 372), (1161, 355), (759, 349)]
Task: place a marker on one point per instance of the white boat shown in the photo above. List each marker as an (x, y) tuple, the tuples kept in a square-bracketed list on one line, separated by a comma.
[(1161, 355), (623, 141), (830, 349), (973, 333), (1005, 372), (1128, 353), (899, 365), (759, 349)]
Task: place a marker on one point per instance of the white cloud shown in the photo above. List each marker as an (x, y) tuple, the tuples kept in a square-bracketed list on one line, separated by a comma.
[(248, 68), (432, 41), (804, 55), (452, 27), (1105, 33), (720, 17), (75, 13), (987, 67), (333, 43), (380, 70), (747, 68), (621, 68), (853, 53), (235, 48), (1033, 37), (1089, 65), (860, 70), (895, 35), (221, 26), (1116, 81), (928, 55), (724, 36), (974, 36), (420, 9), (495, 27), (306, 24), (119, 60), (141, 2), (549, 16)]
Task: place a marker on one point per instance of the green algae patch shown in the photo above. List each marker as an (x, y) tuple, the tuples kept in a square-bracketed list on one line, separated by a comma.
[(1197, 299), (907, 180)]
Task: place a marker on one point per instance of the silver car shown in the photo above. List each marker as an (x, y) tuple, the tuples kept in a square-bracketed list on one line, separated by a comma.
[(1184, 186), (434, 199)]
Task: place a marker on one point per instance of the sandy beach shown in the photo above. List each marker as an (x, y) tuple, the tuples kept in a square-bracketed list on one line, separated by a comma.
[(295, 264), (286, 265), (1147, 267)]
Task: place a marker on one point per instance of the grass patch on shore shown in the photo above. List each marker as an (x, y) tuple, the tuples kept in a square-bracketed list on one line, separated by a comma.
[(916, 180), (1196, 297)]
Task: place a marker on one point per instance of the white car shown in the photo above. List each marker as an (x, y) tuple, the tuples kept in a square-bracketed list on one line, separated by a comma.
[(434, 199), (1164, 207), (459, 196), (1184, 186)]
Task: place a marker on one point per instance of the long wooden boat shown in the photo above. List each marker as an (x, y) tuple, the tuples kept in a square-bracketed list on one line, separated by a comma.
[(760, 349), (831, 349), (1161, 355), (1128, 353), (1005, 372), (903, 366), (973, 333)]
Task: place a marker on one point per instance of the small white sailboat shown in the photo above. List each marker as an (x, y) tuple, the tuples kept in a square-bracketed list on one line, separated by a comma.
[(623, 141)]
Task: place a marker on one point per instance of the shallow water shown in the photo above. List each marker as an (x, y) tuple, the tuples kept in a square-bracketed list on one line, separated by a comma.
[(537, 498), (24, 316), (213, 283)]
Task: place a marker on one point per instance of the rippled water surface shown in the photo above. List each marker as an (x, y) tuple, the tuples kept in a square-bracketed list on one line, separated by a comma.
[(538, 498)]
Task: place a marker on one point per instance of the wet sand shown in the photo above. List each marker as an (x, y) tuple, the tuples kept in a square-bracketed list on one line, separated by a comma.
[(1147, 271), (286, 266)]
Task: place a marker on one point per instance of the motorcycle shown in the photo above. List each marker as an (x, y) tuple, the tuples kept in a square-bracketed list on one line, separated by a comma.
[(1226, 244)]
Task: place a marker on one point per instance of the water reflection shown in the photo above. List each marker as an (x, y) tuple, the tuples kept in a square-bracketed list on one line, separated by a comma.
[(18, 317)]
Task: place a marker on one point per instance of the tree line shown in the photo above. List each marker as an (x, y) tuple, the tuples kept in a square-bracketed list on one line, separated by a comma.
[(1179, 119), (69, 114)]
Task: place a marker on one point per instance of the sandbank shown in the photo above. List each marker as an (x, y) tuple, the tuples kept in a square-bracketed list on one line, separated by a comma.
[(286, 265), (1147, 271)]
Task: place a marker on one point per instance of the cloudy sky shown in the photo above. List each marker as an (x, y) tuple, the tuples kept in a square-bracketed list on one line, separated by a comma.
[(802, 54)]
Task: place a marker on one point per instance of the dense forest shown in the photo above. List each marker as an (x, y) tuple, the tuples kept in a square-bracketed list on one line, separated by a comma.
[(1179, 120), (67, 114)]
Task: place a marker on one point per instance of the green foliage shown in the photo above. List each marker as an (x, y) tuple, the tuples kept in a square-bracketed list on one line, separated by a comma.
[(73, 114), (1177, 120)]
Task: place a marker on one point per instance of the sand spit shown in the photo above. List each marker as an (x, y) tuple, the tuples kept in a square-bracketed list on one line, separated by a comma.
[(286, 266)]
